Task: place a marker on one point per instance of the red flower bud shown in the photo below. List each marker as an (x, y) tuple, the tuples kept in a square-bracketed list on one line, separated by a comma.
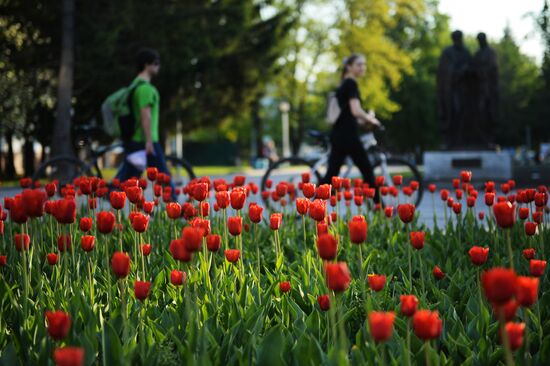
[(59, 324), (120, 263), (478, 255), (327, 246), (381, 325), (141, 289), (232, 255), (338, 276)]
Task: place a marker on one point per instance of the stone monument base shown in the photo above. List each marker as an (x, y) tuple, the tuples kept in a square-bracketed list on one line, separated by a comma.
[(484, 164)]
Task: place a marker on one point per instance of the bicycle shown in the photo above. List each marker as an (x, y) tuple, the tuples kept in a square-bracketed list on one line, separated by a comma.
[(290, 169), (65, 168)]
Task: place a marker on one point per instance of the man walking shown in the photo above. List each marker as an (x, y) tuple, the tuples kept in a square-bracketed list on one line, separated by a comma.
[(144, 102)]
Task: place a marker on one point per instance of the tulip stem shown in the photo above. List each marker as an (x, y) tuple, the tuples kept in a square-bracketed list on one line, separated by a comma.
[(408, 342), (91, 281), (25, 279), (482, 326), (108, 287), (427, 353), (421, 267), (509, 242)]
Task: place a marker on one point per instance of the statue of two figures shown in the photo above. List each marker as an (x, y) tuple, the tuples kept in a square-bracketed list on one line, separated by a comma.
[(467, 95)]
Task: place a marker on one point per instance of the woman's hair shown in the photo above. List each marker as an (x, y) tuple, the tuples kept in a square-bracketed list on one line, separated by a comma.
[(348, 61)]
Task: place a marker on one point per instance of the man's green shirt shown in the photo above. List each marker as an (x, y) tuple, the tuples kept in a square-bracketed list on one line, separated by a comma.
[(146, 95)]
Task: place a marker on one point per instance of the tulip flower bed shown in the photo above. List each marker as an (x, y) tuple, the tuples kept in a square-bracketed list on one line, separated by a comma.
[(322, 276)]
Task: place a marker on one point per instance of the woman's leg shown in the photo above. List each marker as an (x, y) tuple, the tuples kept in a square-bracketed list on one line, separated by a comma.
[(361, 160), (127, 170), (335, 161)]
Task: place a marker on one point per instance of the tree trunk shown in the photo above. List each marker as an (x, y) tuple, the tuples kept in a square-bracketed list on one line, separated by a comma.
[(28, 156), (61, 140), (257, 125), (9, 163)]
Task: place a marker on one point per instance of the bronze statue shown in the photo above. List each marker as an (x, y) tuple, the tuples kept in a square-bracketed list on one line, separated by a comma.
[(485, 65), (466, 94)]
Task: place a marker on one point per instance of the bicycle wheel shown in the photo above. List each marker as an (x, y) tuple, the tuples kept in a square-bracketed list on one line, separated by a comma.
[(406, 169), (181, 171), (63, 168), (288, 170)]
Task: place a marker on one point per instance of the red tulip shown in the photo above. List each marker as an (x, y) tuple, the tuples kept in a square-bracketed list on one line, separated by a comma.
[(427, 324), (134, 194), (529, 253), (59, 324), (64, 211), (192, 238), (324, 302), (317, 210), (52, 259), (177, 278), (471, 201), (141, 289), (444, 194), (466, 176), (308, 189), (203, 225), (499, 284), (237, 197), (323, 192), (327, 246), (140, 222), (376, 282), (322, 228), (105, 222), (179, 252), (417, 239), (3, 260), (33, 201), (120, 263), (148, 207), (505, 214), (302, 205), (388, 212), (255, 212), (146, 249), (87, 242), (515, 334), (506, 310), (284, 286), (281, 188), (432, 187), (409, 304), (536, 267), (527, 289), (200, 191), (85, 224), (338, 276), (537, 217), (357, 229), (275, 221), (232, 255), (478, 255), (235, 225), (50, 189), (457, 207), (213, 242), (64, 242), (22, 241), (397, 180), (69, 356), (406, 212), (438, 273), (530, 228), (118, 200), (222, 199), (489, 198), (541, 199), (173, 210), (381, 325), (523, 213)]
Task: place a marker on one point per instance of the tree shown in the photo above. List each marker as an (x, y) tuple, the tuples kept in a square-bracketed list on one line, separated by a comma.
[(519, 76), (417, 93), (62, 128)]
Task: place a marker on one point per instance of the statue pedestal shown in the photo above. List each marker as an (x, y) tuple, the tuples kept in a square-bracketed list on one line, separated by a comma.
[(484, 164)]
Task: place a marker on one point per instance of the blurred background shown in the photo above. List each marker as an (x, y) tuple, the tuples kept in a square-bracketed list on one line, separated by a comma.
[(235, 73)]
